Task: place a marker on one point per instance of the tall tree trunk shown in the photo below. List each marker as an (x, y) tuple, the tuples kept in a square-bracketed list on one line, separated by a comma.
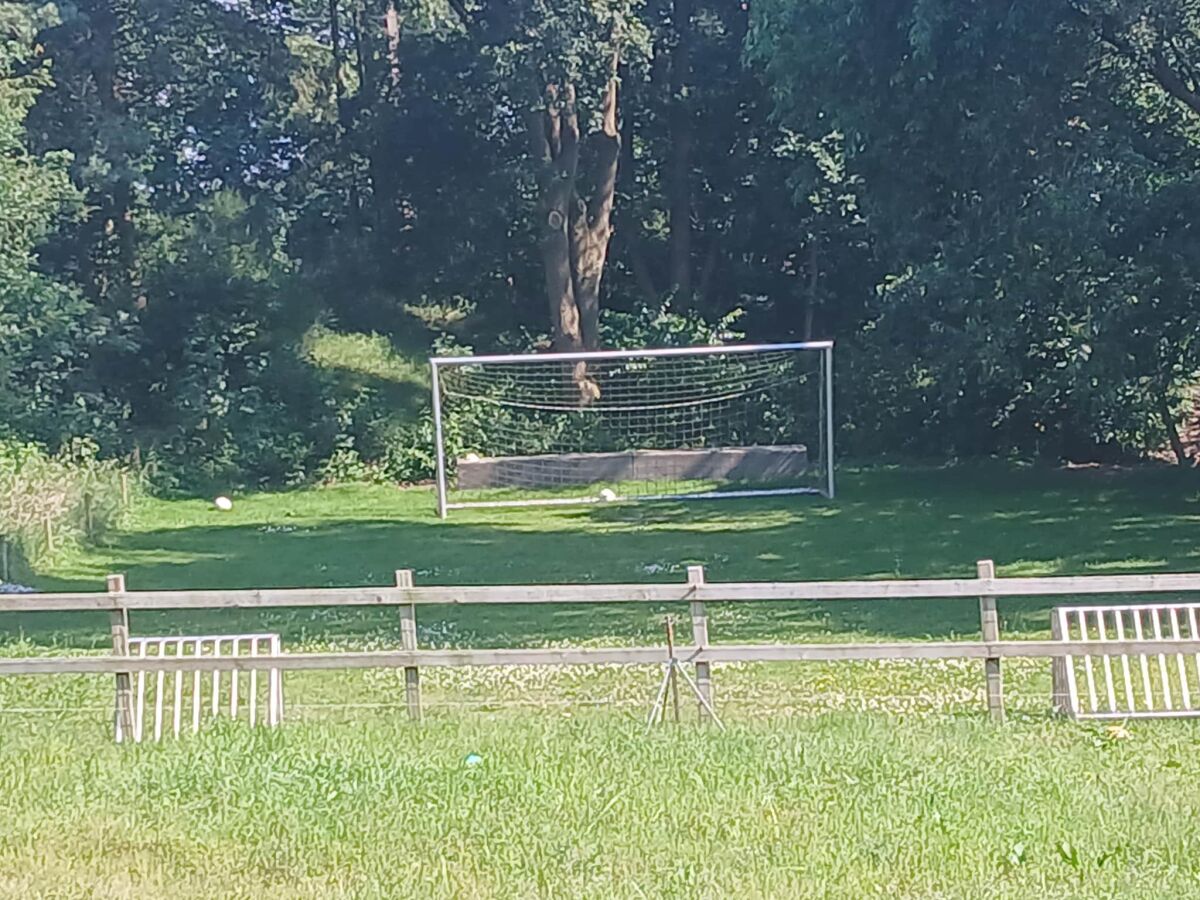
[(555, 137), (592, 229), (679, 187), (810, 302), (115, 271), (391, 26), (365, 84), (1164, 410), (711, 256), (641, 271), (335, 39), (575, 231), (345, 120), (377, 42)]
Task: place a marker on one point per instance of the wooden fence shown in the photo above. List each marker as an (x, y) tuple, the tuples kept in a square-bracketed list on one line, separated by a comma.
[(697, 592)]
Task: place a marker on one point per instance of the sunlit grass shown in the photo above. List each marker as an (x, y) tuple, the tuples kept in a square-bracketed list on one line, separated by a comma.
[(589, 806), (363, 354), (835, 779)]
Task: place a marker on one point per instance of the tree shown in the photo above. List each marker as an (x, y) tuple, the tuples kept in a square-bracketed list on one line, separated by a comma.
[(1007, 155), (549, 55), (47, 330)]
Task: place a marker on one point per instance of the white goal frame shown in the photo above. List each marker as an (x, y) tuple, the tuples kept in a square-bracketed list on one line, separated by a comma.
[(824, 348)]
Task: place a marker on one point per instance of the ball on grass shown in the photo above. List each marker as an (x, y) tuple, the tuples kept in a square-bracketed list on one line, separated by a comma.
[(223, 503), (608, 496)]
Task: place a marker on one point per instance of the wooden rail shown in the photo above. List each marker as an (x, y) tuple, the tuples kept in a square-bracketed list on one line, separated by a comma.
[(697, 592), (590, 656), (708, 592)]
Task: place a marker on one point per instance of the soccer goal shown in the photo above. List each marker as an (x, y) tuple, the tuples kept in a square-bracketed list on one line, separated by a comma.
[(681, 423)]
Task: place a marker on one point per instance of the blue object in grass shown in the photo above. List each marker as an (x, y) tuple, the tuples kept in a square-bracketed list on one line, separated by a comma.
[(473, 759)]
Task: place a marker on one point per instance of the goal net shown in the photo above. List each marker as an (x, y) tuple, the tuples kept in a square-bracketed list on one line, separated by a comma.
[(680, 423)]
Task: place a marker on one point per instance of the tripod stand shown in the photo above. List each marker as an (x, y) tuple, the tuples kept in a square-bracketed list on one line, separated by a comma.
[(672, 669)]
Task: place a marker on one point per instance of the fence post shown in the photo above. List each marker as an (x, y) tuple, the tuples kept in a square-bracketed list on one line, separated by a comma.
[(408, 640), (119, 618), (3, 558), (695, 578), (124, 489), (989, 623), (88, 524)]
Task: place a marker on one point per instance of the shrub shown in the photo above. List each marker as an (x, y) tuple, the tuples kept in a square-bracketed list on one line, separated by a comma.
[(49, 502)]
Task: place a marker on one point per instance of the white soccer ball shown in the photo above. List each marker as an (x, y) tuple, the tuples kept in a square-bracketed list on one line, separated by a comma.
[(608, 496), (223, 503), (471, 457)]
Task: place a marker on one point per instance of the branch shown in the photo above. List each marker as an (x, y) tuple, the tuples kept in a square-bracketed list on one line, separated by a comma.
[(1172, 82), (608, 160), (570, 128), (539, 136), (464, 17), (552, 122), (1157, 66)]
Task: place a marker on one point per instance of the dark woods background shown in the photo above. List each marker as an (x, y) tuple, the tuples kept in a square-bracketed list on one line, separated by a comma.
[(231, 232)]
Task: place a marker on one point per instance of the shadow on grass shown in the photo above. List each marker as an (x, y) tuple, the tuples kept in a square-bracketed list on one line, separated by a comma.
[(886, 523)]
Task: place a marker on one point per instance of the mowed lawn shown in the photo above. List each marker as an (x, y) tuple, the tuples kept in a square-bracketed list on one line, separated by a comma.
[(832, 780), (885, 523)]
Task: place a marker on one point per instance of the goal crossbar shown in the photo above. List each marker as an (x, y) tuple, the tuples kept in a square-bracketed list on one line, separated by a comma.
[(584, 355)]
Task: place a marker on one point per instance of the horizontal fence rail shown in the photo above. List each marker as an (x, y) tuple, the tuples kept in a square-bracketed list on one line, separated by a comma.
[(589, 656), (710, 592), (696, 592)]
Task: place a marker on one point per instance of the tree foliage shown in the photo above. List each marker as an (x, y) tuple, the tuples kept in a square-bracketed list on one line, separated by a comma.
[(988, 206), (47, 329), (1011, 161)]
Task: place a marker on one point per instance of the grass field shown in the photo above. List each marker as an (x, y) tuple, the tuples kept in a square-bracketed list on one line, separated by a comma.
[(833, 780)]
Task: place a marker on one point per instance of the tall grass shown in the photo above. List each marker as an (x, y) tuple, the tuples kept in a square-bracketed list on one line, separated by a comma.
[(589, 806), (52, 502)]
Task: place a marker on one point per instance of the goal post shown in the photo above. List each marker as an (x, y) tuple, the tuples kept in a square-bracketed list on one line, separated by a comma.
[(680, 423)]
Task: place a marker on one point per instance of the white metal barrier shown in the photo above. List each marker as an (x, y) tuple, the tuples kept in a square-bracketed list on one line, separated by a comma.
[(1126, 686), (187, 695)]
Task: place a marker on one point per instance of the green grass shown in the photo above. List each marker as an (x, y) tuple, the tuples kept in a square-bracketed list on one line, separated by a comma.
[(886, 523), (369, 355), (587, 806), (359, 359), (848, 779)]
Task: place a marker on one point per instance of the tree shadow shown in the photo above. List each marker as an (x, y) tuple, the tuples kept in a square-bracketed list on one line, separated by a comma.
[(885, 524)]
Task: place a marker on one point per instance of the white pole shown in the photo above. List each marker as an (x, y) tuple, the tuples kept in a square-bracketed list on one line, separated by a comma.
[(827, 353), (592, 355), (437, 437)]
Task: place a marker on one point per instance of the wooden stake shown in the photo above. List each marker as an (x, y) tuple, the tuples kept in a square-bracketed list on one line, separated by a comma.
[(989, 623), (3, 559), (669, 624), (88, 524), (408, 640), (48, 529), (124, 489), (120, 643), (695, 577)]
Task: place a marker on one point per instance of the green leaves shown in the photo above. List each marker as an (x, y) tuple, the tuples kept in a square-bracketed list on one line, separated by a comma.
[(1007, 166)]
